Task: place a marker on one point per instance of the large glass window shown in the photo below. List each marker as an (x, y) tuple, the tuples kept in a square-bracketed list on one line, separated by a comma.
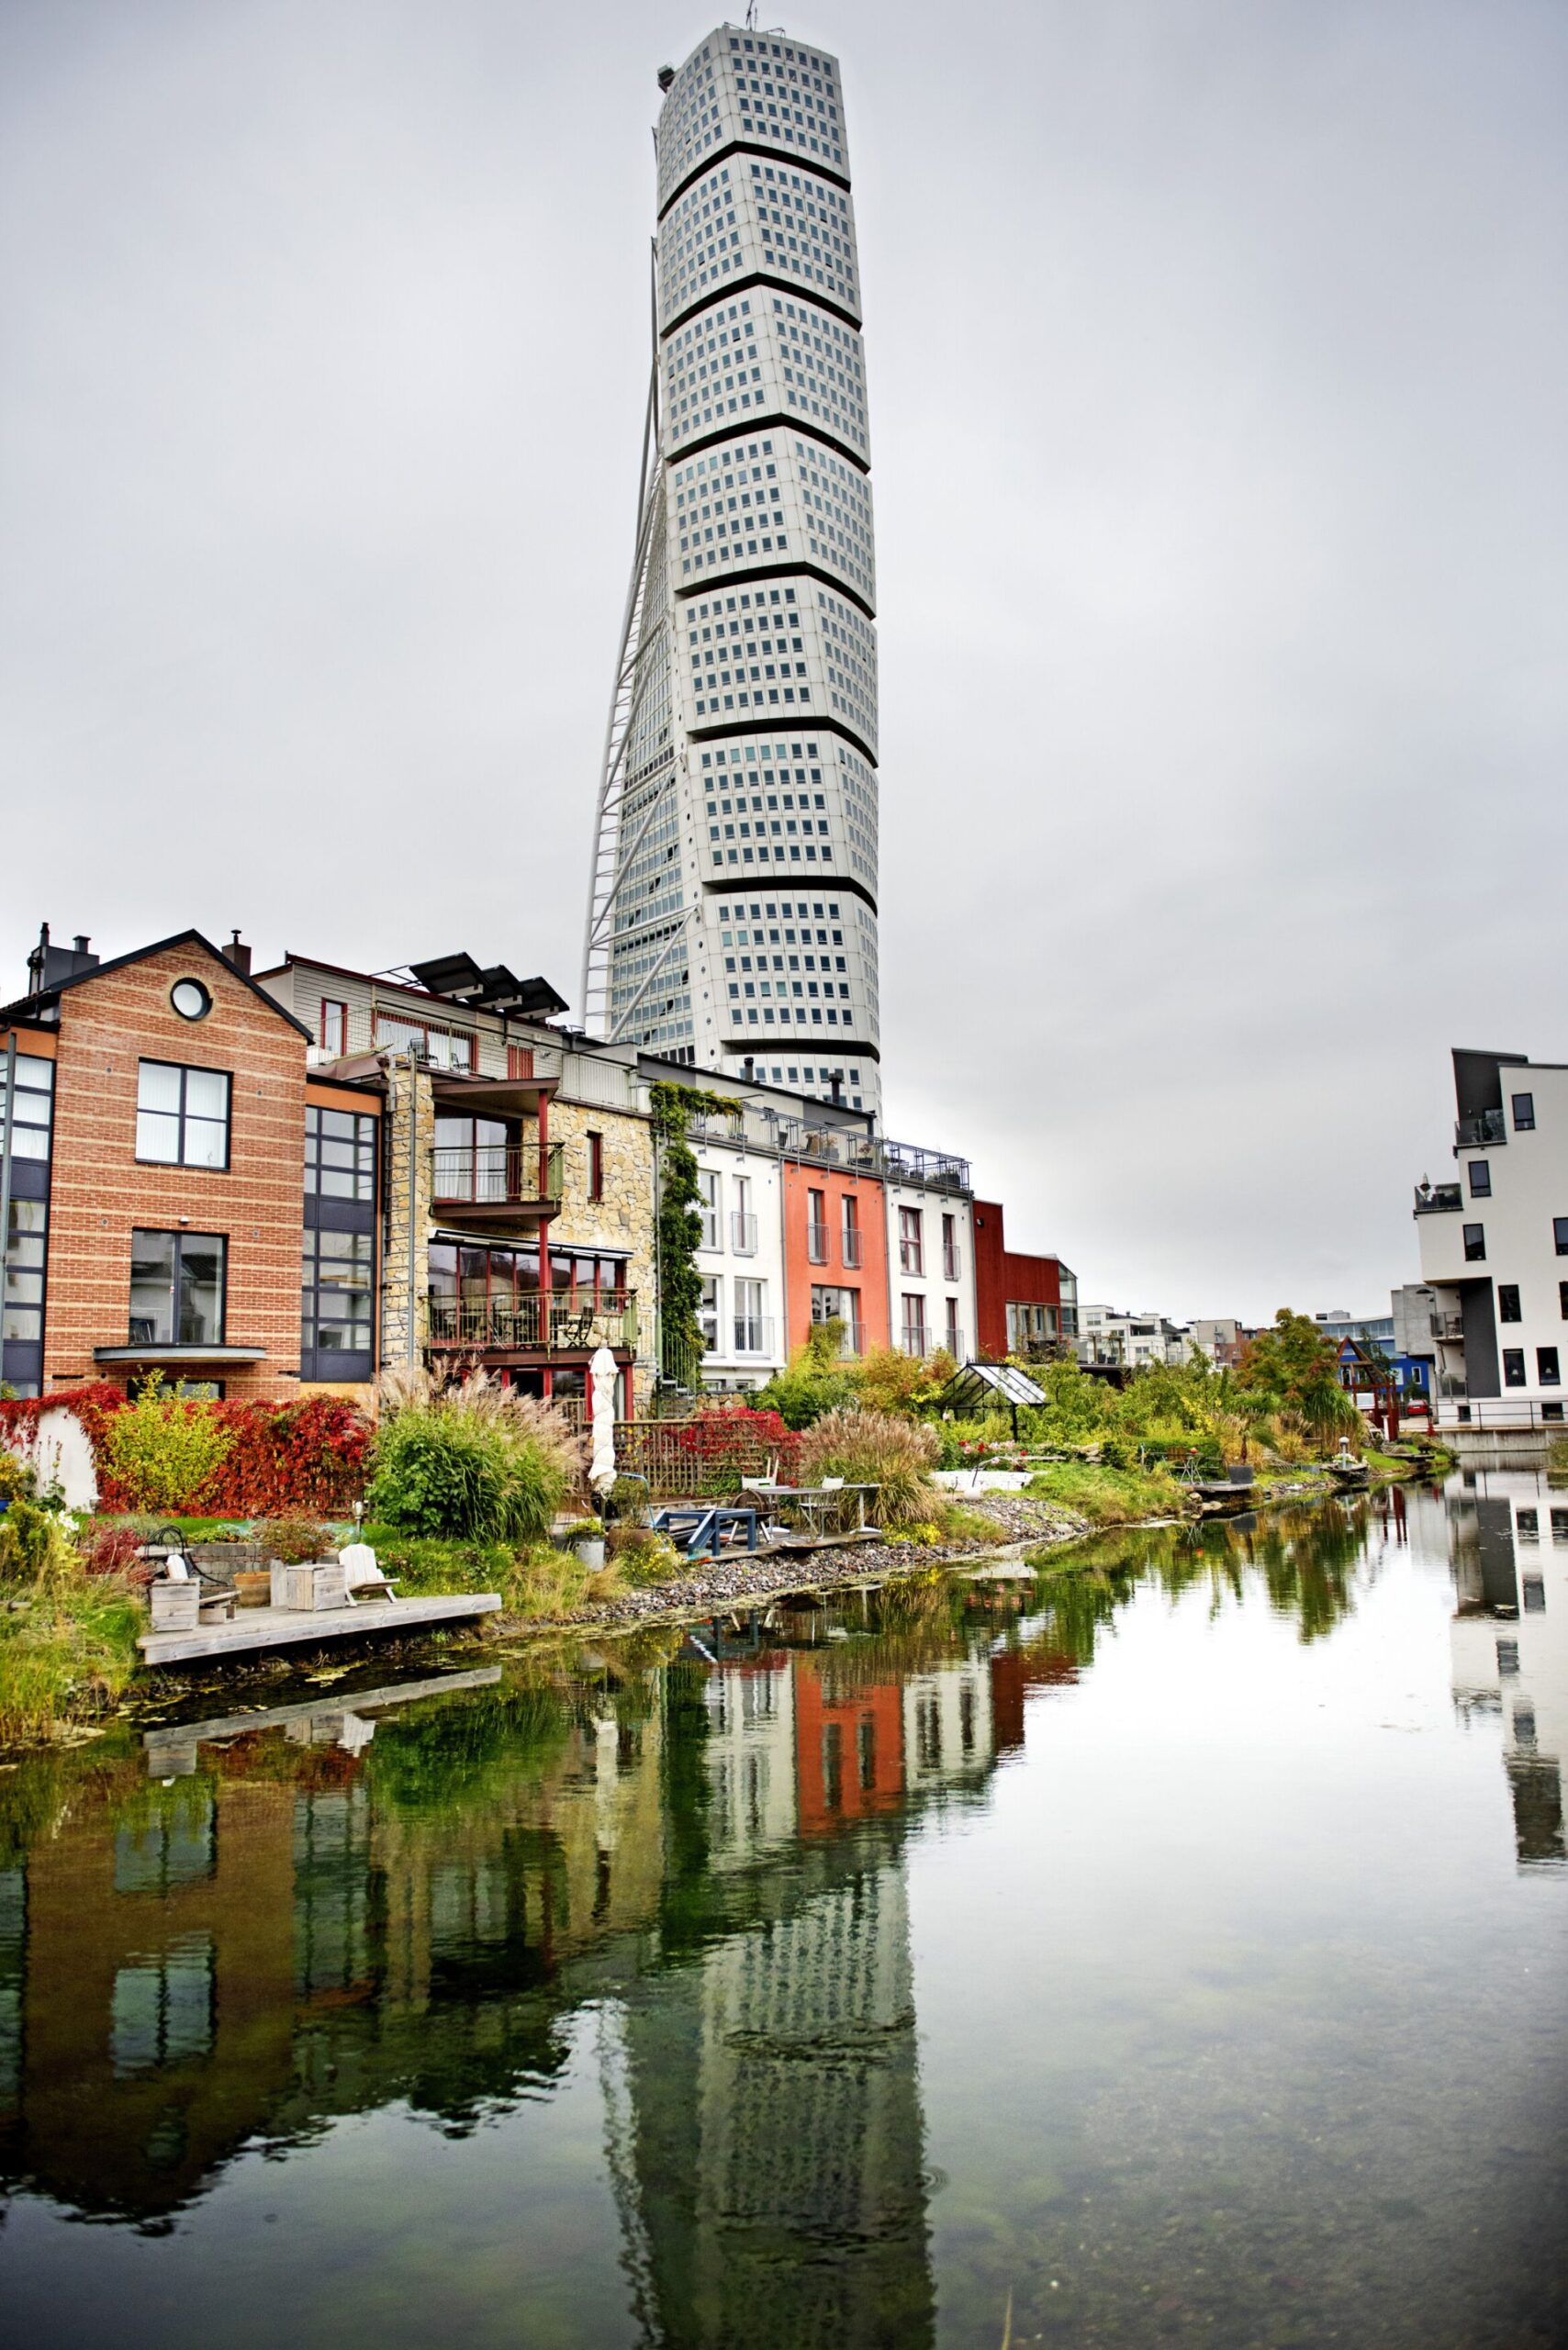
[(181, 1116), (708, 1313), (751, 1327), (22, 1316), (339, 1154), (31, 1116), (710, 1206), (1548, 1370), (177, 1288), (473, 1161), (1513, 1366), (911, 1241), (337, 1306)]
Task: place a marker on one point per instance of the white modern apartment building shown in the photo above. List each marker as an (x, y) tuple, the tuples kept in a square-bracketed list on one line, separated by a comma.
[(1108, 1336), (733, 904), (1495, 1246)]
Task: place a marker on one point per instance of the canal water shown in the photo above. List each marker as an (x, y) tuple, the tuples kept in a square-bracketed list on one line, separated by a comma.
[(1172, 1951)]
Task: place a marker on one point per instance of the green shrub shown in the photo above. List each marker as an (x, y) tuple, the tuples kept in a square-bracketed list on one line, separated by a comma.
[(468, 1463), (161, 1450), (871, 1448), (815, 1380), (293, 1540)]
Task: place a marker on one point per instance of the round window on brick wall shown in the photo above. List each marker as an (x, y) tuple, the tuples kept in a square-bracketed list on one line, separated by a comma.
[(190, 999)]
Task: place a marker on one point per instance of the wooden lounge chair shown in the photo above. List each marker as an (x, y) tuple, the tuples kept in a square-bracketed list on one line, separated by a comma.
[(363, 1578)]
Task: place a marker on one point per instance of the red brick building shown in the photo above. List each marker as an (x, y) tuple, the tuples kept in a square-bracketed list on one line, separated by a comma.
[(158, 1175), (1024, 1305)]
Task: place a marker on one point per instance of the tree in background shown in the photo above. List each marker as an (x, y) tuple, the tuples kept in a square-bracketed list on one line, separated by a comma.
[(1294, 1367)]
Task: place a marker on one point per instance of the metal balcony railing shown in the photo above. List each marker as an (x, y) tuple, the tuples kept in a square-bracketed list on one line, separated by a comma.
[(742, 1235), (753, 1334), (816, 1243), (914, 1339), (950, 1271), (1439, 1199), (939, 1169), (1475, 1133), (849, 1246), (1518, 1414), (550, 1324), (912, 1257), (496, 1175)]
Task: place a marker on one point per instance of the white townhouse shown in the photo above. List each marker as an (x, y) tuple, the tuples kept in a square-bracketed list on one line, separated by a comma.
[(741, 1254), (931, 1255)]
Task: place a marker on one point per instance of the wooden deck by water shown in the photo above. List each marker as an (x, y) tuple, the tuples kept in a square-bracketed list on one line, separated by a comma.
[(276, 1628)]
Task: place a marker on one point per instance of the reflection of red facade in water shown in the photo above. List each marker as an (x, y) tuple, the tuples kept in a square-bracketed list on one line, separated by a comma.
[(849, 1756), (1012, 1674)]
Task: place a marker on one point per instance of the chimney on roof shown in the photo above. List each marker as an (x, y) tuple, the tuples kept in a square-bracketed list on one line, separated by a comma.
[(239, 954), (835, 1079), (48, 965)]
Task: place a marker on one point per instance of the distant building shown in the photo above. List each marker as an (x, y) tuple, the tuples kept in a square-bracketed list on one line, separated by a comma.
[(1109, 1339), (1494, 1246), (1222, 1338)]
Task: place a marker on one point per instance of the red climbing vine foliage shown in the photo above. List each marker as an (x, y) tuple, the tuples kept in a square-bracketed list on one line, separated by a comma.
[(312, 1455)]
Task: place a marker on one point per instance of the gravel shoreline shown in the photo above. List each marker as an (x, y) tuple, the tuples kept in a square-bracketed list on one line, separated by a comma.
[(743, 1578)]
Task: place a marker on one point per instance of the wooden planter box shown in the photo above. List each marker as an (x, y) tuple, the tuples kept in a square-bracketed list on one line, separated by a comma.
[(175, 1607), (319, 1583)]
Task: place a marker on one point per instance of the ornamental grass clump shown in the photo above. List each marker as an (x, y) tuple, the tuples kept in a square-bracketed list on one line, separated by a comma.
[(474, 1463), (873, 1449)]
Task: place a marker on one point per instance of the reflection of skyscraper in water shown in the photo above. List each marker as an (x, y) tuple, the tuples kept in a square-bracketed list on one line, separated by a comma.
[(1509, 1551), (776, 2132), (775, 2147)]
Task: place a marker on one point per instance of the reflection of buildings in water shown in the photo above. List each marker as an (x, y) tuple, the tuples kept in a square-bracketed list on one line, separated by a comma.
[(290, 1932), (773, 2181), (153, 1967), (775, 2169), (1508, 1552)]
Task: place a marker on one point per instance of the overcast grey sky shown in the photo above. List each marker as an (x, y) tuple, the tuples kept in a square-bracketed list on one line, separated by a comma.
[(1217, 376)]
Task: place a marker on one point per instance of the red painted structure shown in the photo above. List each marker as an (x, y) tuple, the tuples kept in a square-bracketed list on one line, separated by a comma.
[(1003, 1278)]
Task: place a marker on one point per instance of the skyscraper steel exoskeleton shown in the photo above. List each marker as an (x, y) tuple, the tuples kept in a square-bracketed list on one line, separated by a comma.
[(733, 907)]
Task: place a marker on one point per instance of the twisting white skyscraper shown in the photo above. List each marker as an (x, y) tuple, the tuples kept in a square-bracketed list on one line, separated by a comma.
[(733, 909)]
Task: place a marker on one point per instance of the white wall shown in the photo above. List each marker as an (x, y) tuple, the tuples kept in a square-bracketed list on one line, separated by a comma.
[(728, 1263), (931, 1283)]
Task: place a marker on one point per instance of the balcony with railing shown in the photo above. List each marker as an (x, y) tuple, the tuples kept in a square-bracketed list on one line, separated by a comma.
[(1439, 1199), (542, 1324), (743, 1233), (951, 1271), (753, 1334), (939, 1170), (1476, 1133), (491, 1181), (849, 1247), (816, 1243)]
